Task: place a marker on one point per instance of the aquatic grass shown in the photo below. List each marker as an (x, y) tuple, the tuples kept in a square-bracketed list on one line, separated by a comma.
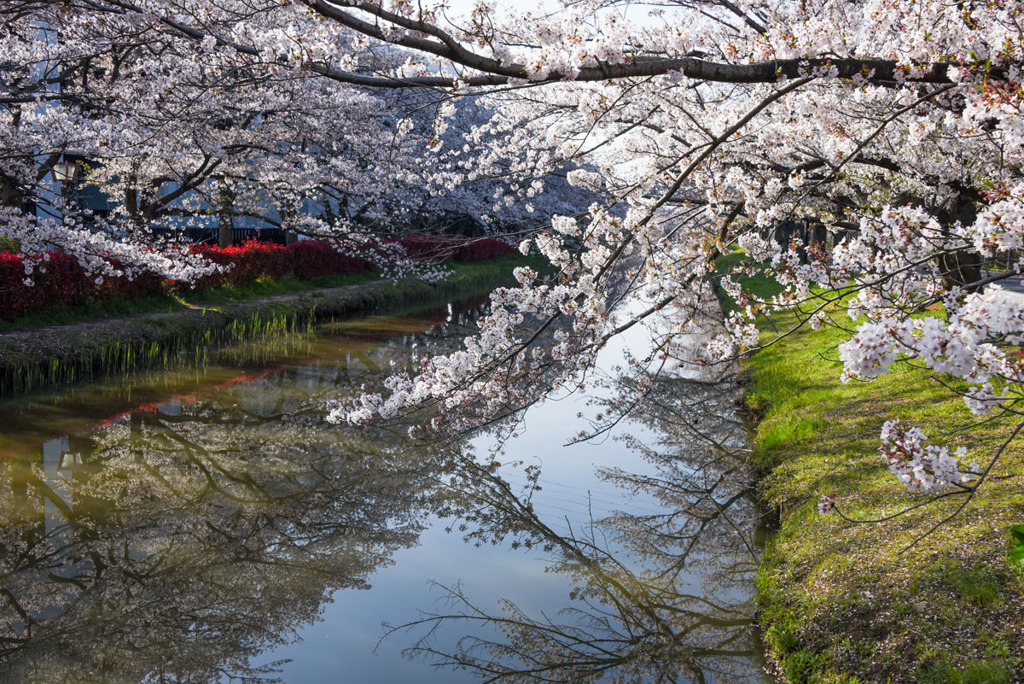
[(123, 359), (843, 602)]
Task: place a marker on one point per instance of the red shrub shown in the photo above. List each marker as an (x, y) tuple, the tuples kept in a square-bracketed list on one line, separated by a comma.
[(15, 297), (144, 284), (60, 280), (249, 261), (57, 280), (312, 259), (487, 248), (217, 256), (252, 260), (427, 248)]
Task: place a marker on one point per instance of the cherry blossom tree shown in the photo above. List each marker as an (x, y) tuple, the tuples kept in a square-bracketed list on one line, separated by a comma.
[(891, 132), (176, 128)]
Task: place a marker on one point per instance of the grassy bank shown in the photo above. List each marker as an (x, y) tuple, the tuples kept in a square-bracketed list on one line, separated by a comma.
[(842, 602), (227, 294), (74, 345)]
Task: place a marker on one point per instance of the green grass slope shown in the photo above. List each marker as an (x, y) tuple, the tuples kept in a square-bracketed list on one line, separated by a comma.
[(842, 602)]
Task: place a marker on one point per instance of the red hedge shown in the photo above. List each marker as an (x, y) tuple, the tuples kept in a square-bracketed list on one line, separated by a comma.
[(427, 248), (434, 248), (145, 284), (60, 281), (15, 298), (480, 250), (253, 260), (312, 259)]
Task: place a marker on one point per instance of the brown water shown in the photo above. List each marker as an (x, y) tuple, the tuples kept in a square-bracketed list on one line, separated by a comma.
[(207, 525)]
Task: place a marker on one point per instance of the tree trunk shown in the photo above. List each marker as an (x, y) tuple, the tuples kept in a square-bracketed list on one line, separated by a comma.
[(226, 221), (961, 268)]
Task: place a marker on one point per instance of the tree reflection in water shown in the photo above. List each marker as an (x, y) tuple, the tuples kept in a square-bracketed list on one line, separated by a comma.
[(185, 541), (663, 596)]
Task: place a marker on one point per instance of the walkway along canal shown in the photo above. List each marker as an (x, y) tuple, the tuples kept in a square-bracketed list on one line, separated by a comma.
[(207, 523)]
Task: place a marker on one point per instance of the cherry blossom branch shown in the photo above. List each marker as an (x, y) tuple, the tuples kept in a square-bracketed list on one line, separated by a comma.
[(828, 504), (496, 72)]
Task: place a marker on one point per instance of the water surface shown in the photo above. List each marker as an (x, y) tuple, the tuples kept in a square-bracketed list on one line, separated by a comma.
[(206, 524)]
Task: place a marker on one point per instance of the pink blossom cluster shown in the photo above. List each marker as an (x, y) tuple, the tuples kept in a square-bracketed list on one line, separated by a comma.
[(971, 343), (826, 504), (919, 466), (907, 165)]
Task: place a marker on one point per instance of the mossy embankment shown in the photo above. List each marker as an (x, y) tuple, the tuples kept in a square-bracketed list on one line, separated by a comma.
[(159, 332), (842, 602)]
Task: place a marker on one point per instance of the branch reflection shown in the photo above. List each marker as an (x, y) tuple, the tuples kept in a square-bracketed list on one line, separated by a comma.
[(661, 596), (182, 542), (177, 543)]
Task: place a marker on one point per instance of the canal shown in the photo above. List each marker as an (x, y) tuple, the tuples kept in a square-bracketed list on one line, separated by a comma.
[(206, 524)]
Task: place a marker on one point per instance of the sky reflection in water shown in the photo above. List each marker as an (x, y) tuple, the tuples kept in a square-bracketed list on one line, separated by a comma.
[(236, 490)]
